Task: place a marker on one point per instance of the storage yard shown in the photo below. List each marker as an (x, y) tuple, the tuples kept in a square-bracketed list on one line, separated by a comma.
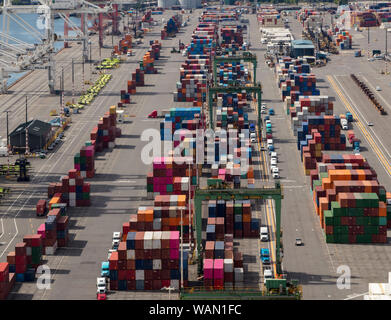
[(293, 184)]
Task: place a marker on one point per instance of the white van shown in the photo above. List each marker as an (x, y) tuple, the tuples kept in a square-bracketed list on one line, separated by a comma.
[(264, 234)]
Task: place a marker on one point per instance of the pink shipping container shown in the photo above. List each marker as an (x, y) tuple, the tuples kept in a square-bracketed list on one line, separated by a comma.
[(41, 230), (208, 268), (218, 269), (174, 253), (174, 239)]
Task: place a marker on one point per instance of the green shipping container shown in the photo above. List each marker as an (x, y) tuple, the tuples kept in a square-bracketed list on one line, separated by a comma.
[(382, 195), (328, 218), (237, 208), (364, 238), (341, 230), (149, 187), (343, 238), (76, 158), (169, 188), (193, 181), (86, 196), (330, 238), (316, 183), (371, 230)]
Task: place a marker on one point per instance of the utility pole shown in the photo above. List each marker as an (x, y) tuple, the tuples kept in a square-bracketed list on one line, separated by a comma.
[(62, 93), (368, 43), (26, 110), (82, 79), (385, 54), (7, 129)]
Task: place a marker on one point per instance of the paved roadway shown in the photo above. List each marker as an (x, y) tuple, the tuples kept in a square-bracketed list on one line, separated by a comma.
[(119, 186), (315, 264)]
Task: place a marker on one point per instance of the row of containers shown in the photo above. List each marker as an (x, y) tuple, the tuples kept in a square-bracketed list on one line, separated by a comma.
[(351, 205), (146, 259), (192, 86), (72, 190), (124, 45), (147, 64), (146, 67), (23, 262), (343, 40), (149, 257), (172, 26)]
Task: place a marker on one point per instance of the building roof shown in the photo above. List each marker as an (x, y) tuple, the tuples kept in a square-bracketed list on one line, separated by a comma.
[(35, 127), (302, 44)]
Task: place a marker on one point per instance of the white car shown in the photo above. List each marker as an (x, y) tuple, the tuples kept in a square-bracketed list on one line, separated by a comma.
[(272, 168), (263, 111), (253, 140), (101, 285), (273, 162), (273, 155), (378, 88), (115, 244), (263, 41), (267, 274)]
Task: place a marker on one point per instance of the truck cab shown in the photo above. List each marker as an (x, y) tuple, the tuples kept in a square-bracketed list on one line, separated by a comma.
[(265, 256), (349, 117), (267, 274), (101, 285), (264, 233), (105, 272)]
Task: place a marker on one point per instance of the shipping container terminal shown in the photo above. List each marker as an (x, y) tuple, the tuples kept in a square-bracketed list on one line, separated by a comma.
[(313, 199)]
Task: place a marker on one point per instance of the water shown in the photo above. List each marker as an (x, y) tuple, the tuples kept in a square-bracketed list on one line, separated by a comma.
[(31, 18)]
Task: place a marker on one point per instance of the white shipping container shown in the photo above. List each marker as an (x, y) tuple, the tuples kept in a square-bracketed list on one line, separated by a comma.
[(139, 274), (238, 274), (157, 264), (72, 182), (148, 240), (157, 224), (156, 241), (131, 254), (174, 284), (228, 265)]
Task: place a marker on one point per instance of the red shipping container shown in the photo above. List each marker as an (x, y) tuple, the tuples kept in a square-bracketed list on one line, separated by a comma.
[(20, 260), (4, 271), (20, 268), (20, 249), (165, 274), (148, 274), (113, 284), (122, 274), (156, 284), (131, 285)]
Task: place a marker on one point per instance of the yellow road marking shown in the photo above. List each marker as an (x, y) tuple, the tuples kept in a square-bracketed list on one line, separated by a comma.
[(268, 217), (364, 131)]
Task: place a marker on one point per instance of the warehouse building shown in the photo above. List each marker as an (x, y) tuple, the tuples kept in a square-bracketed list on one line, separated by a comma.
[(38, 134), (301, 48)]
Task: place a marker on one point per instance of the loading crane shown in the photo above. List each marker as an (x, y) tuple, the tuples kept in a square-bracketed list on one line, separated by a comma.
[(266, 192), (246, 57), (213, 90), (19, 56)]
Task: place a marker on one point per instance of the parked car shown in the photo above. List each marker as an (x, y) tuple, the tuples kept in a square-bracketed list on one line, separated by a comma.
[(267, 274)]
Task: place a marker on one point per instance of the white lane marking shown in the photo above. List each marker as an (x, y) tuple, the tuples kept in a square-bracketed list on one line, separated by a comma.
[(355, 295), (126, 181)]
